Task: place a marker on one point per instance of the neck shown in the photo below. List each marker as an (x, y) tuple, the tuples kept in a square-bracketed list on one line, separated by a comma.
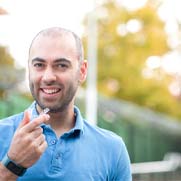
[(63, 121)]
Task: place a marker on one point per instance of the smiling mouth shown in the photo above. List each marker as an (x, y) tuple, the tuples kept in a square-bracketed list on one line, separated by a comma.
[(51, 91)]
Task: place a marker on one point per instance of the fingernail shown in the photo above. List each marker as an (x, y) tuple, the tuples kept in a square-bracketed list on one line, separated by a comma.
[(46, 110), (47, 116)]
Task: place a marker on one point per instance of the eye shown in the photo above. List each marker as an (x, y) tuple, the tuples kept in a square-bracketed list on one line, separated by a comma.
[(62, 65), (38, 65)]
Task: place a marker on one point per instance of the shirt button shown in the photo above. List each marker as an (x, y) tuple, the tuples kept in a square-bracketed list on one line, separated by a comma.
[(58, 155), (53, 142)]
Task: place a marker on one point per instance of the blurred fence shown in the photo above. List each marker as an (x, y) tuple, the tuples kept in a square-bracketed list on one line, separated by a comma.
[(167, 170), (148, 135)]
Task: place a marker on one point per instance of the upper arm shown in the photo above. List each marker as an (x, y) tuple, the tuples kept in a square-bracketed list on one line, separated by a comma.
[(122, 168)]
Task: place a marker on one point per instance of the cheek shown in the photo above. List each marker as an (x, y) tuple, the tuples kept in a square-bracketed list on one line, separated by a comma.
[(34, 78)]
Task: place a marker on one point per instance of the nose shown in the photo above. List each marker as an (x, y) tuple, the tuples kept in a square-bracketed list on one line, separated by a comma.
[(49, 76)]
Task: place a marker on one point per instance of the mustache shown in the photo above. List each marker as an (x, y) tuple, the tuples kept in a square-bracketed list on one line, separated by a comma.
[(52, 84)]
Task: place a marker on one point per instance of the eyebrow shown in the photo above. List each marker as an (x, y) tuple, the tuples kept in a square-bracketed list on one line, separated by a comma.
[(55, 61), (37, 59), (62, 60)]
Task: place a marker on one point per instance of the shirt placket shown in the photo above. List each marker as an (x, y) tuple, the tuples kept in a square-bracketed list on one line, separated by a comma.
[(58, 156)]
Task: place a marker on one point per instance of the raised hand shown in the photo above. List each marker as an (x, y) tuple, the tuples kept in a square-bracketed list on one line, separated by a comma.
[(28, 142)]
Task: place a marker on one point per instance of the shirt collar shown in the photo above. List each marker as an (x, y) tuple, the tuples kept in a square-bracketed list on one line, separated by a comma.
[(79, 124)]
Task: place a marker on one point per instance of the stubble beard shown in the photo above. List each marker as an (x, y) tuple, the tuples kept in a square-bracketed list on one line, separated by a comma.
[(64, 102)]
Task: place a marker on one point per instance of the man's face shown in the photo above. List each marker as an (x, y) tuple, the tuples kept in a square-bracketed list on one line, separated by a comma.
[(54, 71)]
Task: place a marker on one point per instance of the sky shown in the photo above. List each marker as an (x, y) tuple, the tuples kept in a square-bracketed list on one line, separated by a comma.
[(27, 17)]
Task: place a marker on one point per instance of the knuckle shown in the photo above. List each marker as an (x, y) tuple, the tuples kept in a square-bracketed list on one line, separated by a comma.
[(39, 152), (34, 123), (46, 144), (20, 133), (39, 130), (41, 149), (28, 139), (34, 145), (43, 137)]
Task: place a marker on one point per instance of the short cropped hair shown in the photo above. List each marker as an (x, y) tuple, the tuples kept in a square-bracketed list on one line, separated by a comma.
[(58, 31)]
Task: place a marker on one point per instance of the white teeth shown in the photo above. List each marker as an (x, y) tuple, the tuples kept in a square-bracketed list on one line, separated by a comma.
[(50, 91)]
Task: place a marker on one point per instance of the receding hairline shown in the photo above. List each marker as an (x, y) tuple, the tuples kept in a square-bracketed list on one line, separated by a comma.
[(60, 32)]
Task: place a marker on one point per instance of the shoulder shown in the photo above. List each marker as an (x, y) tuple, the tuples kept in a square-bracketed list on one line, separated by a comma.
[(100, 131), (103, 136), (112, 148), (8, 127), (11, 121)]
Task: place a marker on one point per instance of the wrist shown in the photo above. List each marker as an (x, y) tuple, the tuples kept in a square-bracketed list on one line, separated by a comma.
[(5, 174), (12, 166)]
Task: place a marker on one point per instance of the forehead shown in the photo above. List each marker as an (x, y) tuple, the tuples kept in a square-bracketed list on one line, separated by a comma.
[(53, 47)]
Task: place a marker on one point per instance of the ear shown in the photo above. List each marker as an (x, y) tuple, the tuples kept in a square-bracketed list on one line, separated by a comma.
[(83, 71)]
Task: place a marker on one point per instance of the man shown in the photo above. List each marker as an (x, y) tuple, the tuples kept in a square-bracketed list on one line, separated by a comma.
[(60, 144)]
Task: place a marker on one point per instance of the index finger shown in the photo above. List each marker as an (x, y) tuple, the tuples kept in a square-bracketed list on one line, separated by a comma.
[(43, 118), (26, 119)]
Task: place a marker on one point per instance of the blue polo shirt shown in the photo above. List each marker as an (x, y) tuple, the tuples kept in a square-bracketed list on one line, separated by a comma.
[(85, 153)]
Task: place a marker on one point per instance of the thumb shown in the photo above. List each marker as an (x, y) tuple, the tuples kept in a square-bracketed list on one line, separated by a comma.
[(26, 119)]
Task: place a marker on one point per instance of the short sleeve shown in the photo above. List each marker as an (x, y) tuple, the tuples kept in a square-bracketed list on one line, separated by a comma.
[(122, 170)]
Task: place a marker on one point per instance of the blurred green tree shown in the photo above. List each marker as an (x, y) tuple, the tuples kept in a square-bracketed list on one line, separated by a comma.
[(125, 40), (9, 75)]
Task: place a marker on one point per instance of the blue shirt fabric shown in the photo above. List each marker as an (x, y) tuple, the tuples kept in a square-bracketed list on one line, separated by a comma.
[(85, 153)]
